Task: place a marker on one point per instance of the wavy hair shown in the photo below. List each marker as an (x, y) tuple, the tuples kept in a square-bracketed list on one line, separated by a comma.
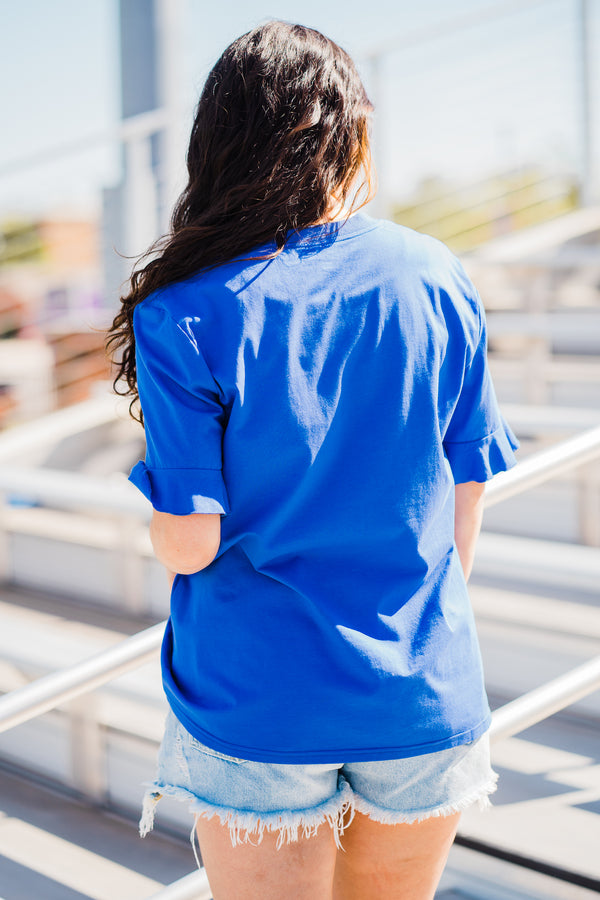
[(280, 129)]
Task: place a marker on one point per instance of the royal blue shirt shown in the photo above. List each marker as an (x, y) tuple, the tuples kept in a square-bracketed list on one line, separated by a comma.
[(325, 402)]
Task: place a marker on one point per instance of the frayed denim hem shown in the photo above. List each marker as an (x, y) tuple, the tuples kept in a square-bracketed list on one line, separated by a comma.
[(479, 796), (249, 826)]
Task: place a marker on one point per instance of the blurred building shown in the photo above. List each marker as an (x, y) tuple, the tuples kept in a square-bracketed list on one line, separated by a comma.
[(466, 216), (52, 316)]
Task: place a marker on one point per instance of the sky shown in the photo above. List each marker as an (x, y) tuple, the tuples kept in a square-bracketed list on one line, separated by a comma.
[(460, 105)]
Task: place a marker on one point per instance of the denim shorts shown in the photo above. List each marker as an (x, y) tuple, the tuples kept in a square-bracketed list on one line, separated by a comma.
[(294, 799)]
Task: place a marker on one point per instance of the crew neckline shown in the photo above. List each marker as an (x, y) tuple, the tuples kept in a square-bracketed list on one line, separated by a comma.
[(339, 230)]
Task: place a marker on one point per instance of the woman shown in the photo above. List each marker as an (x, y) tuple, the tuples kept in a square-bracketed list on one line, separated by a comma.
[(319, 422)]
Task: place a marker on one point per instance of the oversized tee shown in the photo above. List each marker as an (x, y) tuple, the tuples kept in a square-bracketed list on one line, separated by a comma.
[(324, 401)]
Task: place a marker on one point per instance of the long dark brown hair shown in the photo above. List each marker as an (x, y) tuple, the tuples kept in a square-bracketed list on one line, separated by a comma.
[(281, 127)]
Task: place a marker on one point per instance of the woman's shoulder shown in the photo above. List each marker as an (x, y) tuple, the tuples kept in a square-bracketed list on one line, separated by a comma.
[(417, 247), (187, 298), (419, 256)]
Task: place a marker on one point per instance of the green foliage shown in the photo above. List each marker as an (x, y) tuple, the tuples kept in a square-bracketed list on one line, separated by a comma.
[(465, 217), (20, 241)]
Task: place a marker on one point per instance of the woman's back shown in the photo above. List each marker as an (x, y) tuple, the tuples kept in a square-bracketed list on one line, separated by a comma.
[(314, 394)]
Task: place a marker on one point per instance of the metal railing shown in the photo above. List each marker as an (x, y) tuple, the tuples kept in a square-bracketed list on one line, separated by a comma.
[(543, 466), (52, 690), (544, 701)]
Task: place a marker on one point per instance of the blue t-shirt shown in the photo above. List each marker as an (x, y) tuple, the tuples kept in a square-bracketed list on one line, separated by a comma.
[(325, 401)]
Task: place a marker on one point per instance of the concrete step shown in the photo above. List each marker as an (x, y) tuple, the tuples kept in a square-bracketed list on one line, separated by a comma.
[(547, 805), (470, 875), (57, 847)]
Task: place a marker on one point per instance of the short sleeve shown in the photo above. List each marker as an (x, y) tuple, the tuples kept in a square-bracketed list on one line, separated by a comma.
[(478, 442), (183, 417)]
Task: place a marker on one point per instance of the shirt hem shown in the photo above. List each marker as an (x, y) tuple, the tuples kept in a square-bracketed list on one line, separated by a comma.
[(329, 755)]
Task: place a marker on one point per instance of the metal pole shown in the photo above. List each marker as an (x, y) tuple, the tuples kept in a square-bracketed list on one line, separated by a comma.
[(539, 467), (191, 887), (45, 693), (142, 125), (73, 490), (380, 205), (546, 700), (169, 18), (140, 197), (585, 62), (455, 25)]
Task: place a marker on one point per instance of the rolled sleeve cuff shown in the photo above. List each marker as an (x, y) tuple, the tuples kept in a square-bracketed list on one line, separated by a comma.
[(481, 460), (182, 491)]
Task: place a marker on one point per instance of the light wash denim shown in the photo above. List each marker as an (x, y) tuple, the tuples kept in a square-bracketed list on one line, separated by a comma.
[(292, 799)]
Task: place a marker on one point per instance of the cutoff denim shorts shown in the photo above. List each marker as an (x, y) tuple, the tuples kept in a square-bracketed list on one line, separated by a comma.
[(293, 799)]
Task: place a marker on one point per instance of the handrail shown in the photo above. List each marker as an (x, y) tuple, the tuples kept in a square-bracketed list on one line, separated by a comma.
[(73, 490), (194, 886), (43, 694), (544, 701), (103, 409), (542, 466), (141, 125)]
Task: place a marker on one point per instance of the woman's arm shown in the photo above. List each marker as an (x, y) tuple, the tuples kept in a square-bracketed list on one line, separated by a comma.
[(468, 512), (185, 544)]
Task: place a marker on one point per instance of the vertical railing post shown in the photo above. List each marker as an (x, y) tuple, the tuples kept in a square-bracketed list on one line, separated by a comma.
[(585, 62), (88, 748), (538, 358), (140, 198), (588, 504), (130, 562), (5, 555)]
